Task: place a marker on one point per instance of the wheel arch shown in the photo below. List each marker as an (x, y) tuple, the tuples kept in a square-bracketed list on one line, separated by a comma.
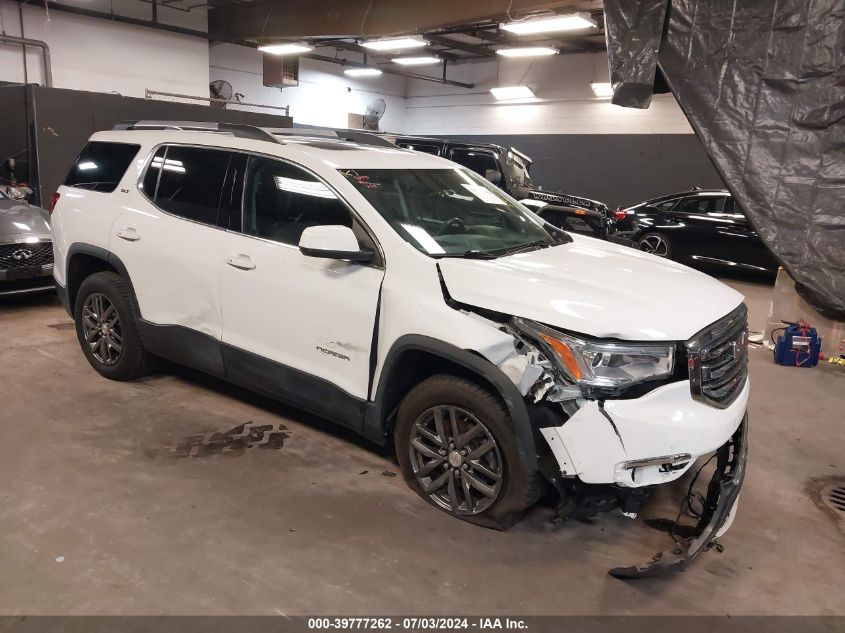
[(83, 260), (413, 358)]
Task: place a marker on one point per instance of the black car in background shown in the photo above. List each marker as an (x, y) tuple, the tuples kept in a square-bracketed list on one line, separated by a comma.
[(700, 228), (508, 169)]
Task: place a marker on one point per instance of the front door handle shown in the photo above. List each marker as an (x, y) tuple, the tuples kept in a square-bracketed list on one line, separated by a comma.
[(243, 262), (130, 234)]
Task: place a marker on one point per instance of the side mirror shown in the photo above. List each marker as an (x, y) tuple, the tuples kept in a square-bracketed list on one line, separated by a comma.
[(333, 242), (493, 176)]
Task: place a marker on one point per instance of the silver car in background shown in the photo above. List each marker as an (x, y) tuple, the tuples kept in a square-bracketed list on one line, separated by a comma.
[(26, 246)]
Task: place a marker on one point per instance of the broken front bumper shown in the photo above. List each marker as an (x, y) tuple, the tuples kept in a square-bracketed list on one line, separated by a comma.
[(717, 516), (645, 441)]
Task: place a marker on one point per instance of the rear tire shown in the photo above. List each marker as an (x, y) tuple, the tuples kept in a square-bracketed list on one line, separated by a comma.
[(457, 449), (655, 244), (107, 329)]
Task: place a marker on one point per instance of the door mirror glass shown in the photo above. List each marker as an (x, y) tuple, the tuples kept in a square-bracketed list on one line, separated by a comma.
[(494, 176), (333, 242)]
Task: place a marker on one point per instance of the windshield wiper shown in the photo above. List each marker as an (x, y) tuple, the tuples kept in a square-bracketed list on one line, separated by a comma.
[(527, 247), (473, 254)]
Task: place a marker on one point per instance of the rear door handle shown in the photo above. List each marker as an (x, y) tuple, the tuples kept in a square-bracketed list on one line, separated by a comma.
[(242, 262), (130, 234)]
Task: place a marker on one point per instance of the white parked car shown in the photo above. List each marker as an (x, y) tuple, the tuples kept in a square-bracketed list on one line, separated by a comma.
[(407, 298)]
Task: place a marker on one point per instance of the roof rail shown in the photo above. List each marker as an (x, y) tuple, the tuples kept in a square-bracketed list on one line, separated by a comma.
[(237, 130), (365, 138), (355, 136)]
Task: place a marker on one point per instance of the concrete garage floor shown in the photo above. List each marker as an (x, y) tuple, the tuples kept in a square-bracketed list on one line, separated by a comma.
[(99, 514)]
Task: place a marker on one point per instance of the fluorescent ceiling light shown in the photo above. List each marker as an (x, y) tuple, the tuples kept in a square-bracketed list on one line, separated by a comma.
[(601, 89), (527, 51), (512, 92), (416, 61), (395, 43), (362, 72), (550, 24), (286, 49)]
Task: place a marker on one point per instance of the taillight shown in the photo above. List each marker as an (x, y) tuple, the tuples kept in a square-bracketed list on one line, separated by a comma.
[(53, 200), (620, 215)]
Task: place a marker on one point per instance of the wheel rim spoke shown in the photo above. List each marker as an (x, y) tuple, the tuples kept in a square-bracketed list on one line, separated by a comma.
[(438, 424), (481, 468), (101, 329), (425, 450), (462, 440), (487, 491), (453, 421), (438, 483), (467, 490), (456, 460), (488, 446), (453, 494), (430, 466), (431, 437)]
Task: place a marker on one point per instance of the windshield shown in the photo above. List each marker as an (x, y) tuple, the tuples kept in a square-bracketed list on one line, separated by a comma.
[(449, 212)]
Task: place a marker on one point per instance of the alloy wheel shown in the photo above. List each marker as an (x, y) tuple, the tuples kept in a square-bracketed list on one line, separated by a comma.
[(456, 460), (655, 245), (102, 329)]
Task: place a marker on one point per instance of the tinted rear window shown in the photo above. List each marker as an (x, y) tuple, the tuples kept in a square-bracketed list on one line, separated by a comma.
[(191, 181), (101, 166)]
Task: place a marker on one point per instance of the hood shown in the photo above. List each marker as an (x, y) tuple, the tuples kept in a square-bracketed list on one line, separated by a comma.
[(594, 288), (23, 219)]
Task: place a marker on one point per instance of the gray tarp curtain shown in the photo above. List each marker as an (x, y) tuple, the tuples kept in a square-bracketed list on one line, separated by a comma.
[(763, 84)]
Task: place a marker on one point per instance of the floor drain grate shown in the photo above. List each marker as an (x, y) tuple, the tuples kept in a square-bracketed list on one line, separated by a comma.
[(835, 497)]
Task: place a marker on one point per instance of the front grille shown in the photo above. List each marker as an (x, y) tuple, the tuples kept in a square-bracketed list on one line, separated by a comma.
[(717, 358), (24, 255)]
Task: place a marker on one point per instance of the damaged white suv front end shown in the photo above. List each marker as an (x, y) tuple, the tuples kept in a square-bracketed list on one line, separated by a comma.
[(634, 442), (628, 381)]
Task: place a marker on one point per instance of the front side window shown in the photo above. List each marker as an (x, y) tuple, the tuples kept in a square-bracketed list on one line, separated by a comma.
[(281, 201), (187, 181), (100, 166), (445, 212)]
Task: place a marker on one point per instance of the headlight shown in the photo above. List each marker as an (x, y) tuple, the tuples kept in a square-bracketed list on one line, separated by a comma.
[(603, 365)]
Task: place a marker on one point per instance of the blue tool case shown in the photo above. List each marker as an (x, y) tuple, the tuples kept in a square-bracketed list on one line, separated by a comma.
[(798, 346)]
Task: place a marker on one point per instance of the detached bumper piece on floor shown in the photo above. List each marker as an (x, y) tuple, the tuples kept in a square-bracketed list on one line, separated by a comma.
[(722, 493)]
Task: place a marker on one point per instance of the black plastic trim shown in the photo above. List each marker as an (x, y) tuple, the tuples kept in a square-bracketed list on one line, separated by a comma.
[(301, 389), (205, 353), (63, 297), (375, 426), (81, 248), (184, 346), (364, 256)]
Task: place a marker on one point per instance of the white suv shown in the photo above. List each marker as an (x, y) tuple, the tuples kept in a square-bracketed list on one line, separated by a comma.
[(407, 298)]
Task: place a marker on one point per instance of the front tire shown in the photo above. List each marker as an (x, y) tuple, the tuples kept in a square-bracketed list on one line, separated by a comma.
[(107, 330), (457, 449)]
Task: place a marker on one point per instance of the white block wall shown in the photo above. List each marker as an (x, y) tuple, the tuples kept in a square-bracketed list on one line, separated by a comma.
[(99, 55), (564, 104), (324, 97), (103, 56)]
